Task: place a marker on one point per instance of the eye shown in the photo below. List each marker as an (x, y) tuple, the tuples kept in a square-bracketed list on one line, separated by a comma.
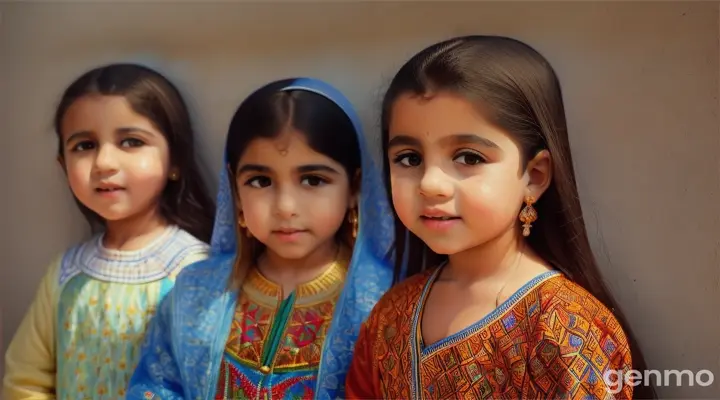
[(313, 180), (469, 158), (83, 146), (408, 159), (131, 142), (258, 182)]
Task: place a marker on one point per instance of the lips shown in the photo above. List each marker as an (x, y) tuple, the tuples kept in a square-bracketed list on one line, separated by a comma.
[(107, 187), (108, 190), (438, 215), (445, 218), (288, 231)]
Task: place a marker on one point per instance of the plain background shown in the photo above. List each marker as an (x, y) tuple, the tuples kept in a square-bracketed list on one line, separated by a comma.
[(640, 82)]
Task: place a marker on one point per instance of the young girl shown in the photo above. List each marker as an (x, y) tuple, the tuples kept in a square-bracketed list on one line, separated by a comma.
[(506, 300), (126, 146), (300, 244)]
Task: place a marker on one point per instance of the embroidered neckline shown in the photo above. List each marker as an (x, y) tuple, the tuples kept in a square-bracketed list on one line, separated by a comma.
[(152, 262), (154, 246), (328, 283)]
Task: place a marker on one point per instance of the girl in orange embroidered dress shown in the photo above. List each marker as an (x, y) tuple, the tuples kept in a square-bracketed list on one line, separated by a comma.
[(505, 299)]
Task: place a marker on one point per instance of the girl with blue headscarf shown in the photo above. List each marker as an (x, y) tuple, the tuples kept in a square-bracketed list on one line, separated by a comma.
[(302, 234)]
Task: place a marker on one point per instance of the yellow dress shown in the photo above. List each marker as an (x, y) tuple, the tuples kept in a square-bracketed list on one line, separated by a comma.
[(81, 336)]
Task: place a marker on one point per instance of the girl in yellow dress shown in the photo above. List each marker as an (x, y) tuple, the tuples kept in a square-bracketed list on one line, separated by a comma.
[(126, 146)]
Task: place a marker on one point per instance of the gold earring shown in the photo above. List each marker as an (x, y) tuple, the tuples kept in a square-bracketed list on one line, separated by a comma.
[(353, 219), (528, 215), (173, 176), (243, 225)]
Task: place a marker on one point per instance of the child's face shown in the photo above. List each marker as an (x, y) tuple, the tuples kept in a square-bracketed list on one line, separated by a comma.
[(116, 161), (456, 178), (293, 198)]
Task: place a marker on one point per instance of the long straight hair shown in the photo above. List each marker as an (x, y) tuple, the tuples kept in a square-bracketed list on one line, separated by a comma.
[(517, 89), (184, 202)]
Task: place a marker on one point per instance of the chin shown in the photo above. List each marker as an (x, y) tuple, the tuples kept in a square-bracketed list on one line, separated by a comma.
[(446, 247), (290, 253)]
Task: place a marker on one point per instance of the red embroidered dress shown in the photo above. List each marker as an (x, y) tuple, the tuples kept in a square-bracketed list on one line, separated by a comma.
[(550, 339)]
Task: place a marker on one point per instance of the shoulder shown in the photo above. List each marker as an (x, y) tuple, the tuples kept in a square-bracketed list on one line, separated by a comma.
[(188, 245), (561, 297), (576, 332), (400, 299), (68, 263), (183, 249)]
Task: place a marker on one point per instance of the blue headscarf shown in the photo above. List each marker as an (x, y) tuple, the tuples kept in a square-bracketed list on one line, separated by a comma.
[(370, 270)]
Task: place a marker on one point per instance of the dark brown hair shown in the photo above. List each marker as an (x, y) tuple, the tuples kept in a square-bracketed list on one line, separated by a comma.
[(517, 89), (266, 113), (184, 202)]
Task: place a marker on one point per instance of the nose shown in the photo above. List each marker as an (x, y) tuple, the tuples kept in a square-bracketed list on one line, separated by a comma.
[(435, 183), (286, 203), (105, 160)]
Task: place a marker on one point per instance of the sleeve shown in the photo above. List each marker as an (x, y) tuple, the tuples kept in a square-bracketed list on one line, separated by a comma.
[(577, 355), (363, 377), (30, 363), (157, 375)]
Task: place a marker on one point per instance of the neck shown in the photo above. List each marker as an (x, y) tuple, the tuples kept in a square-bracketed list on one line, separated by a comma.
[(488, 260), (134, 232), (291, 272)]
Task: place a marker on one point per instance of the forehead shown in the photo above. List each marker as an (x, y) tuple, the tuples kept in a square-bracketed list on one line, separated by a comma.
[(289, 149), (442, 114), (97, 113)]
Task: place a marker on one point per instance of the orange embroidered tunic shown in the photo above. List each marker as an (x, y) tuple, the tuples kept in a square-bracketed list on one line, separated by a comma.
[(275, 342), (550, 339)]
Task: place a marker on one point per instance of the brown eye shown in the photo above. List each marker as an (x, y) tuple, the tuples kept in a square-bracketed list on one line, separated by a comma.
[(408, 160), (258, 182), (469, 159)]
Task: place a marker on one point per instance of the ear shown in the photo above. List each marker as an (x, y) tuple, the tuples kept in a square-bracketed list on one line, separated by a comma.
[(539, 174), (61, 161)]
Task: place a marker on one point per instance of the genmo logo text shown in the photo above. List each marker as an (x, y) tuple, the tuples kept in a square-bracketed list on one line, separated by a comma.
[(616, 380)]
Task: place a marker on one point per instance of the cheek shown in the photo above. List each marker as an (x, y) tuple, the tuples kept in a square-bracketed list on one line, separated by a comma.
[(326, 209), (78, 173), (489, 201), (147, 168), (255, 207), (404, 197)]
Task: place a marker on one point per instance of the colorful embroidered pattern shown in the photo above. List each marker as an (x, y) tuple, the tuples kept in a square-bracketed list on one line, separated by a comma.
[(551, 339), (275, 344)]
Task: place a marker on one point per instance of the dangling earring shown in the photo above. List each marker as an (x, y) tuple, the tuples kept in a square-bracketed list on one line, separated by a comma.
[(173, 176), (241, 222), (528, 215), (353, 219)]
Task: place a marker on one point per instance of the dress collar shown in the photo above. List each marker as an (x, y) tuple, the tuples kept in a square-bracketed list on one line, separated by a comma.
[(327, 284)]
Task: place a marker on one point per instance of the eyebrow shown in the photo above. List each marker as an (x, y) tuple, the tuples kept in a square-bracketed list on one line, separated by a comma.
[(252, 168), (78, 136), (121, 130), (458, 138), (303, 169), (464, 138), (403, 140)]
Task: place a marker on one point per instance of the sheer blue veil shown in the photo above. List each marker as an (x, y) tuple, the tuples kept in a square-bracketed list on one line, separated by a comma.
[(370, 271)]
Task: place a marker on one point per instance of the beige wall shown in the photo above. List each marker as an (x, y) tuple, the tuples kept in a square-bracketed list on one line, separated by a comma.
[(640, 82)]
